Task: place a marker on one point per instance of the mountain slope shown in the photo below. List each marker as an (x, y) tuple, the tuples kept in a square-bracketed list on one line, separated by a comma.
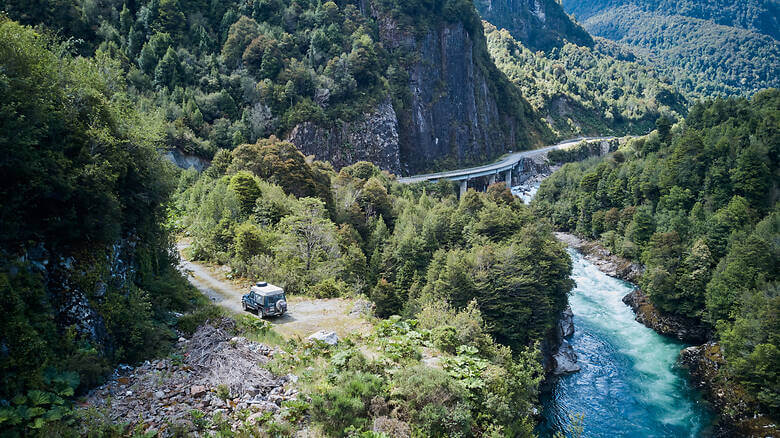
[(586, 91), (408, 85), (538, 24), (760, 16), (740, 56)]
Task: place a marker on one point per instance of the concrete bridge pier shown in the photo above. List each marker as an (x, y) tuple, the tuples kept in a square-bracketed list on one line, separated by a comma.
[(508, 178), (464, 185), (492, 179)]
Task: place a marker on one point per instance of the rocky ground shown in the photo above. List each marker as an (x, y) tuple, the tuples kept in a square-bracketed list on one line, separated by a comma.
[(703, 362), (608, 263), (685, 329), (212, 373)]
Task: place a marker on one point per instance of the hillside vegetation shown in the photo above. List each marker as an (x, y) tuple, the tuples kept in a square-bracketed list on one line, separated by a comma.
[(759, 16), (738, 53), (586, 91), (87, 268), (697, 205), (227, 73)]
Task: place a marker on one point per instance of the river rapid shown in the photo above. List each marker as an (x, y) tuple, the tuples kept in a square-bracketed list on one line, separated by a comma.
[(629, 384)]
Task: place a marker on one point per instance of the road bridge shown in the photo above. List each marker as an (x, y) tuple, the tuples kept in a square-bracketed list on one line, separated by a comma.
[(503, 167)]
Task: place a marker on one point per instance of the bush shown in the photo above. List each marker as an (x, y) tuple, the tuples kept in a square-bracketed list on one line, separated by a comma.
[(330, 288), (437, 405), (190, 322), (345, 403)]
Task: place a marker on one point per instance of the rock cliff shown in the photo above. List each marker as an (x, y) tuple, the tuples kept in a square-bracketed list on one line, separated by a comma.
[(459, 109), (447, 106), (538, 24), (372, 137)]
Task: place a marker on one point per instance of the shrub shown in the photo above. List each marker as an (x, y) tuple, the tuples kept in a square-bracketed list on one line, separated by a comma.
[(190, 322), (436, 403), (345, 403), (330, 288)]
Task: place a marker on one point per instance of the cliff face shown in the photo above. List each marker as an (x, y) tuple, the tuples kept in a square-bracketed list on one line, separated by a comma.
[(538, 24), (456, 116), (372, 137), (451, 107)]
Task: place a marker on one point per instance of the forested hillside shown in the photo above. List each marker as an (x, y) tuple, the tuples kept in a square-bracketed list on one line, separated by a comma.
[(87, 267), (760, 16), (586, 91), (348, 76), (697, 205), (475, 273), (538, 24), (705, 48)]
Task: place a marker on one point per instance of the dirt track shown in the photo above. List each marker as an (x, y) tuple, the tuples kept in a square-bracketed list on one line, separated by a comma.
[(304, 316)]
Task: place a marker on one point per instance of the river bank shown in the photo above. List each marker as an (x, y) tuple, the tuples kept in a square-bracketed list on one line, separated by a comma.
[(702, 361)]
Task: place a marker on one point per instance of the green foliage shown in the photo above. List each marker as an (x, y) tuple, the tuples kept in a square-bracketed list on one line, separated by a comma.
[(698, 207), (346, 401), (738, 55), (84, 210), (585, 89)]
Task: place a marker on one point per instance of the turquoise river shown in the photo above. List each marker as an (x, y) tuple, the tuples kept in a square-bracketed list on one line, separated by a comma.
[(629, 385)]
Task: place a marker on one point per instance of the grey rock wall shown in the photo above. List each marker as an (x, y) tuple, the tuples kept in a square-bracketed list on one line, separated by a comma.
[(372, 137)]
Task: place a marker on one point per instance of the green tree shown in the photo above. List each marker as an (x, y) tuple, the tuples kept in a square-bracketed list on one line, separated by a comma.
[(247, 190)]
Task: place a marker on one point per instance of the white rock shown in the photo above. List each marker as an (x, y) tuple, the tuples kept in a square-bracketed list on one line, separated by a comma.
[(330, 338)]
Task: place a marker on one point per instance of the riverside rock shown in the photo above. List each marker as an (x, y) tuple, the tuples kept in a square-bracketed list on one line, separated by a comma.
[(566, 323), (565, 360), (680, 327)]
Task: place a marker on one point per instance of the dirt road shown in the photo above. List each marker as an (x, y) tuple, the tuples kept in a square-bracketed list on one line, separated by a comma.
[(304, 316)]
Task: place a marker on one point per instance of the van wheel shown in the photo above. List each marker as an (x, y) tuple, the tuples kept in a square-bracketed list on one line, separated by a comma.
[(243, 304)]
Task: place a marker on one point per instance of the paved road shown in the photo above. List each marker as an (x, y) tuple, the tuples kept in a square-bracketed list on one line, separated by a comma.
[(496, 167)]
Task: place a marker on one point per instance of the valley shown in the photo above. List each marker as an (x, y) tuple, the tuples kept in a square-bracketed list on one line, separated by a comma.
[(490, 218)]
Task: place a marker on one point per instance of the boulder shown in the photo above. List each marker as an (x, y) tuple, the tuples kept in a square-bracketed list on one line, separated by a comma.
[(197, 390), (330, 338), (565, 360), (566, 323)]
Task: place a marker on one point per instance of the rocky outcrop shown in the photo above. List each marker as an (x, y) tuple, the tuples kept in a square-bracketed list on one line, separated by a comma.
[(538, 24), (608, 263), (213, 372), (566, 323), (75, 285), (186, 161), (456, 113), (372, 137), (738, 417), (565, 360), (675, 326)]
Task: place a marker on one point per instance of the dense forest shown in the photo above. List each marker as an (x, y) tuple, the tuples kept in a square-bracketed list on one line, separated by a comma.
[(87, 267), (463, 295), (738, 54), (696, 203), (760, 16), (586, 91), (401, 246), (414, 251), (226, 73)]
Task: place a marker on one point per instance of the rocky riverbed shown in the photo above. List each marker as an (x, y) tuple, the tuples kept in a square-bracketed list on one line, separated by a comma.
[(212, 373)]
